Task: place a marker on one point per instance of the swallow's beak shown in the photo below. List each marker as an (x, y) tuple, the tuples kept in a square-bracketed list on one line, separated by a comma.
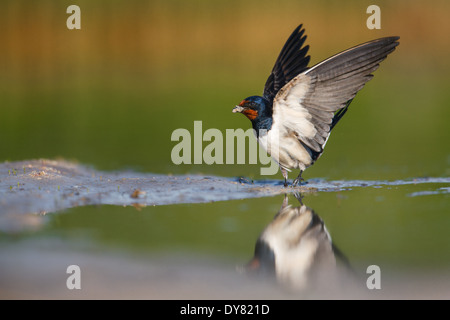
[(238, 109), (250, 267)]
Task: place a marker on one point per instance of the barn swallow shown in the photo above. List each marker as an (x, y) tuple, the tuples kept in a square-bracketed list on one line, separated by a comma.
[(300, 105), (296, 248)]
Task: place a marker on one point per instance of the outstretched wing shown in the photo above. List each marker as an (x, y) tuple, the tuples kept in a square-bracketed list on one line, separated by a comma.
[(314, 101), (291, 61)]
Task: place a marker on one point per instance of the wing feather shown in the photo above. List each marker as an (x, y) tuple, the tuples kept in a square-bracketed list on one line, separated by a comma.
[(312, 102), (291, 61)]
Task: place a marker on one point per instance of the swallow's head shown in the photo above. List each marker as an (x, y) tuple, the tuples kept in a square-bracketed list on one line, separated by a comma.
[(252, 107), (263, 262)]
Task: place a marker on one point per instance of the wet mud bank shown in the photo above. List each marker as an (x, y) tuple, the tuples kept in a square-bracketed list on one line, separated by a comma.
[(41, 186)]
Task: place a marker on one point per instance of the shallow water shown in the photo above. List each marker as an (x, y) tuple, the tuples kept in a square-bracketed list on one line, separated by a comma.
[(201, 248)]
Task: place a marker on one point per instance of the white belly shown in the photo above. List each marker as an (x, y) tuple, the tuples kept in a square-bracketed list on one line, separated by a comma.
[(290, 154)]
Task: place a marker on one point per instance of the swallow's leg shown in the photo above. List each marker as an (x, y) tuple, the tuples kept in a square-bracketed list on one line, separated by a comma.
[(298, 179), (285, 202), (285, 175)]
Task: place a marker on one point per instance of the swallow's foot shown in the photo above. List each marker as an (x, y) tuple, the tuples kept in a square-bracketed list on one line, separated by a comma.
[(298, 196), (298, 180)]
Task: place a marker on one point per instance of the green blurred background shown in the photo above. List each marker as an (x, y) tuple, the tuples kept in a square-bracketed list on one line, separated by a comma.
[(110, 94)]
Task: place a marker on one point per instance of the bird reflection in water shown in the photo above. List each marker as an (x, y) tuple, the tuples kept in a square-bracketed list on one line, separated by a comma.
[(296, 249)]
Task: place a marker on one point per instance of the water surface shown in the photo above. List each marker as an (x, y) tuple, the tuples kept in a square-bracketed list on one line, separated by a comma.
[(319, 247)]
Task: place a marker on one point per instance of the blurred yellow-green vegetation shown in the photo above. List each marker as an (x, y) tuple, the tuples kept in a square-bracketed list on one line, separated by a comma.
[(111, 94)]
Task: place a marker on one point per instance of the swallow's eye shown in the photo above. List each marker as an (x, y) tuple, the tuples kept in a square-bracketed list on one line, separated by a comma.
[(248, 104), (251, 105)]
